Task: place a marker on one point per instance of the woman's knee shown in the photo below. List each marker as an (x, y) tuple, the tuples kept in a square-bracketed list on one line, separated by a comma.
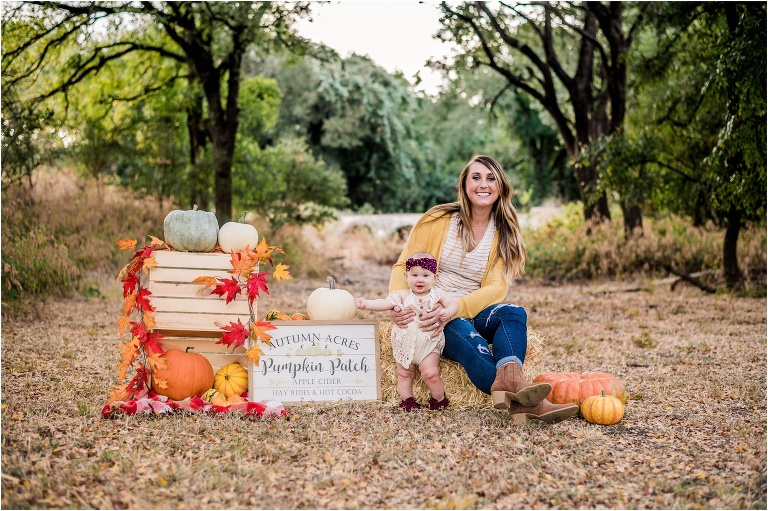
[(511, 312)]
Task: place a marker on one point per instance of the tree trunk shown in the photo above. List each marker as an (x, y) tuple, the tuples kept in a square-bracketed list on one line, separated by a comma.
[(595, 204), (223, 156), (731, 270), (633, 220), (197, 139)]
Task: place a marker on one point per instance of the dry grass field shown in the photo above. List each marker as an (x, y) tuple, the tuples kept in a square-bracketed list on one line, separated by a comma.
[(693, 437)]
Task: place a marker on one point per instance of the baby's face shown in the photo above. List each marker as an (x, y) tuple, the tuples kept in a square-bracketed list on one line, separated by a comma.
[(419, 279)]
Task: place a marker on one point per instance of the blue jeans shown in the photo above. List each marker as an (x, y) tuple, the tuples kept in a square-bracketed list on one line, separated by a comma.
[(466, 342)]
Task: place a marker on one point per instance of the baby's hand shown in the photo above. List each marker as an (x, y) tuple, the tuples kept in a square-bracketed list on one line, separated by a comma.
[(360, 303), (444, 315)]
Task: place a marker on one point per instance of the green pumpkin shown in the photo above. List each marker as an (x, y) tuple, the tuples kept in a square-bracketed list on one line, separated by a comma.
[(191, 231)]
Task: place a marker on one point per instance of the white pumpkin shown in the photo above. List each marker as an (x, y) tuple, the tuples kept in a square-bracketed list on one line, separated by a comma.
[(191, 230), (331, 303), (235, 236)]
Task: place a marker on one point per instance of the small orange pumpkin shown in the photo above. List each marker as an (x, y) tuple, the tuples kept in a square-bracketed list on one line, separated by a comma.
[(604, 410), (576, 387), (298, 316), (188, 374)]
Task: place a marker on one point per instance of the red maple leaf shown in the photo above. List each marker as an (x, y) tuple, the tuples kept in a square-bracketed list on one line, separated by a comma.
[(236, 334), (142, 301), (144, 252), (139, 331), (255, 282), (139, 382), (129, 284), (152, 343), (230, 287)]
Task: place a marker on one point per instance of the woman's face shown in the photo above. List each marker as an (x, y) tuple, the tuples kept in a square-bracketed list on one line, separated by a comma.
[(481, 186)]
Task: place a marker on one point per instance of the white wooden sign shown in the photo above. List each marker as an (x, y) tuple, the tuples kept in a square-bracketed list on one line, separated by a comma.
[(318, 361)]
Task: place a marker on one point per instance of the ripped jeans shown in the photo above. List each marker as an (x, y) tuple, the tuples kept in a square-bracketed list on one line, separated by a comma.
[(466, 342)]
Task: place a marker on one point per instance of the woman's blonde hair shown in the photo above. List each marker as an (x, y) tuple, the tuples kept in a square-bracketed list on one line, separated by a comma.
[(511, 247)]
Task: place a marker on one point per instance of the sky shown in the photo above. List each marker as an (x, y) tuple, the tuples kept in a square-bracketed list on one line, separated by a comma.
[(397, 35)]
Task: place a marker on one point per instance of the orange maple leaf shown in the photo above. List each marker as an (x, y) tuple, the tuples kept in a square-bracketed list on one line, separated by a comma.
[(242, 264), (118, 393), (157, 382), (205, 281), (128, 353), (124, 271), (149, 262), (280, 272), (157, 361), (254, 354), (149, 320), (126, 244), (261, 252), (128, 303), (259, 331), (123, 324), (157, 242)]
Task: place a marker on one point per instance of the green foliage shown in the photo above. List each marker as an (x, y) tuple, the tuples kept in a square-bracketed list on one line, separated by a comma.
[(286, 184), (569, 248), (697, 138), (357, 118), (260, 100)]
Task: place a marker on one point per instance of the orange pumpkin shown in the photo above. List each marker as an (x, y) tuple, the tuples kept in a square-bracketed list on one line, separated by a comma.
[(576, 387), (602, 409), (188, 374)]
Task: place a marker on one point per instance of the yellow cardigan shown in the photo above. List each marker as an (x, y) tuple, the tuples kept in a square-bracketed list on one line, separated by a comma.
[(428, 236)]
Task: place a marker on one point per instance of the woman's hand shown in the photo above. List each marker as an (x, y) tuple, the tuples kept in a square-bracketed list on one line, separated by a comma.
[(431, 321), (402, 318)]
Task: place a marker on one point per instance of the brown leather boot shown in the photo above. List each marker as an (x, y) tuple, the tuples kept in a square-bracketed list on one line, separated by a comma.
[(510, 385), (544, 411)]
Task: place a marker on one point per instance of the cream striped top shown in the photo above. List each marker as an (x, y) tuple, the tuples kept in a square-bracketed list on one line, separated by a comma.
[(459, 274)]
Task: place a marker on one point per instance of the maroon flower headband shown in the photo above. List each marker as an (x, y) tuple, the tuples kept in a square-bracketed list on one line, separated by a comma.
[(428, 263)]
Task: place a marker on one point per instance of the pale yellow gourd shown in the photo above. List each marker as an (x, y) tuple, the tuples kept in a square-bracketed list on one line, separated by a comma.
[(236, 236), (331, 303)]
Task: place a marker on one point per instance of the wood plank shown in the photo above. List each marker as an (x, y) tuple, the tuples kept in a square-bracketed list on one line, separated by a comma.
[(184, 275), (183, 290), (200, 260), (194, 322), (195, 305), (219, 360), (200, 345)]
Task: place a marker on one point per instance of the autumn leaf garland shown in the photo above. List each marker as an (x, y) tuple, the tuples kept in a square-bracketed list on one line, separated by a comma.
[(144, 347)]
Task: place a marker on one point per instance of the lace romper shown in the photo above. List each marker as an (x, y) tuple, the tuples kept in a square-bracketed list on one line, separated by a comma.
[(410, 345)]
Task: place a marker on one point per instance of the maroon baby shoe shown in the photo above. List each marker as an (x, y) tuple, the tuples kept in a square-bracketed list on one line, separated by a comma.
[(410, 404), (434, 404)]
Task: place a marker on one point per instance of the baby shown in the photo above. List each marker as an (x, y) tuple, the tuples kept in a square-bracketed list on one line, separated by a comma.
[(411, 347)]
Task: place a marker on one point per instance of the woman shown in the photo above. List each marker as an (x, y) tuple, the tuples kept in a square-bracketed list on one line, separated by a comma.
[(479, 252)]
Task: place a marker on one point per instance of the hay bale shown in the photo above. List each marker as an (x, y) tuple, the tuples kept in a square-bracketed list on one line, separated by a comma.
[(458, 388)]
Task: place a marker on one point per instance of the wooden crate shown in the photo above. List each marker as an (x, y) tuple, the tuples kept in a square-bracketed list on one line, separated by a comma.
[(188, 315)]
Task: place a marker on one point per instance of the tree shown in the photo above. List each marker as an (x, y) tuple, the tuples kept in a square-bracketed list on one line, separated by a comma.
[(358, 118), (209, 39), (548, 50), (707, 77)]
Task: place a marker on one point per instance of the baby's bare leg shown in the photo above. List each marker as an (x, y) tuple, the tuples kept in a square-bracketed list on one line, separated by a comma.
[(405, 377), (430, 375)]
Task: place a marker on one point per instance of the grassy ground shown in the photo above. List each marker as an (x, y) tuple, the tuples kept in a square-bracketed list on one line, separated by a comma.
[(694, 433)]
